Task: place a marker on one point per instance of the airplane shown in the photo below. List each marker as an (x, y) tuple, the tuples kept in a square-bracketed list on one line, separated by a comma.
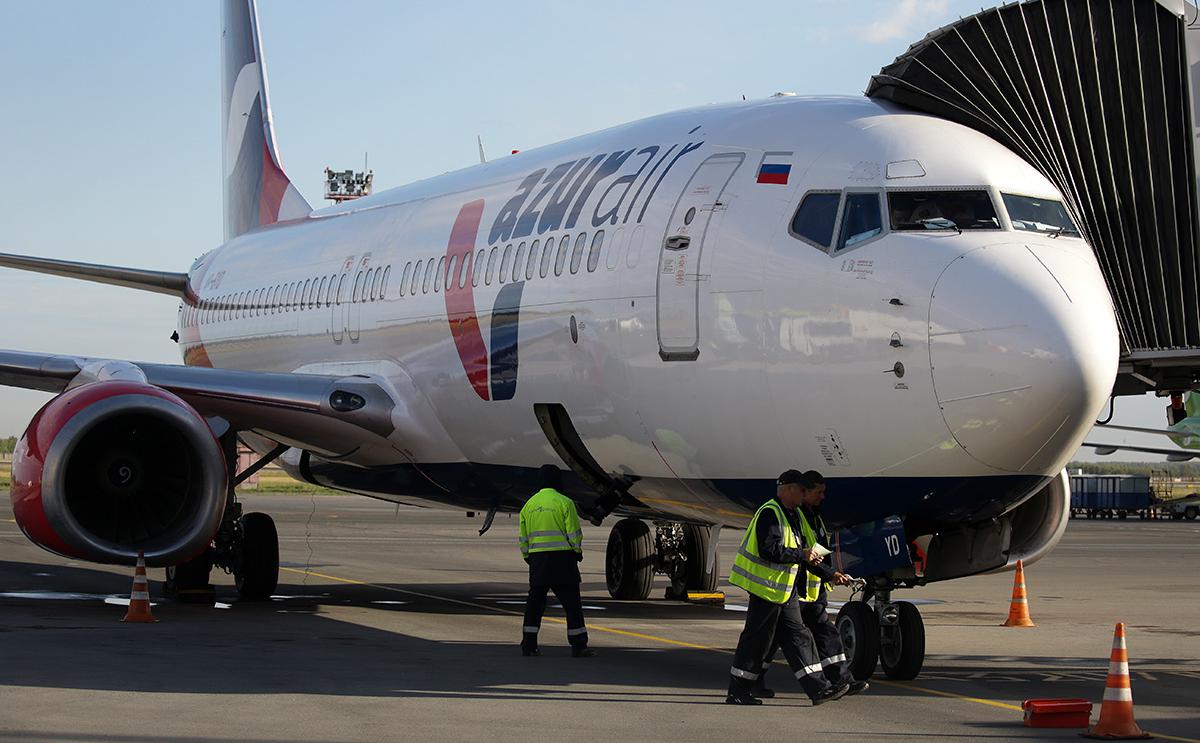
[(1183, 428), (674, 310)]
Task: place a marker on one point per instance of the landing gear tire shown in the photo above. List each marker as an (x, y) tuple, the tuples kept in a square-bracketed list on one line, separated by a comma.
[(902, 645), (258, 574), (1190, 513), (697, 540), (629, 560), (859, 629)]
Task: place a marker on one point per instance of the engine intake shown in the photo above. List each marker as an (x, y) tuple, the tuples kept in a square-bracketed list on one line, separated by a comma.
[(111, 468)]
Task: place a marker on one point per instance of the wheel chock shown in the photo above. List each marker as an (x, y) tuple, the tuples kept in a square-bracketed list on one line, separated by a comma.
[(1057, 713), (716, 598)]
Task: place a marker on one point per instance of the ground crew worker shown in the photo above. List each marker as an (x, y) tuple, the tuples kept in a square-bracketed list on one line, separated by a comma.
[(552, 545), (766, 566), (815, 603)]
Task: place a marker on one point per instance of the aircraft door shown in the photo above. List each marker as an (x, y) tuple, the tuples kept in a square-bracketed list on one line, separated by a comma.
[(337, 312), (678, 310), (354, 306)]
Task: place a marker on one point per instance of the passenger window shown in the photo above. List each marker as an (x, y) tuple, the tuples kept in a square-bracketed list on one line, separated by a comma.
[(404, 277), (560, 260), (577, 253), (305, 296), (416, 278), (367, 284), (428, 276), (383, 285), (357, 294), (861, 220), (547, 254), (451, 277), (531, 266), (464, 273), (477, 269), (440, 278), (519, 263), (491, 266), (942, 210), (341, 283), (594, 253), (506, 263), (816, 218)]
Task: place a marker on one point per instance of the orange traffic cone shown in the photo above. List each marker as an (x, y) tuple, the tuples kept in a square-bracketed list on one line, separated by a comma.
[(1116, 713), (139, 598), (1018, 610)]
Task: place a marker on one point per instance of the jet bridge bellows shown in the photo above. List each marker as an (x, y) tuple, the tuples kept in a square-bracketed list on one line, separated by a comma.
[(1096, 94)]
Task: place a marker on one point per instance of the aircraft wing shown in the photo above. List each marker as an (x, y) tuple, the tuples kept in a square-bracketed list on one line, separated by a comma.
[(1139, 429), (328, 415), (1174, 455)]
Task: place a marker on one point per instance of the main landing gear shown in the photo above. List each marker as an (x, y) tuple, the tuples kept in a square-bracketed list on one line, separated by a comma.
[(246, 545), (679, 551), (877, 630)]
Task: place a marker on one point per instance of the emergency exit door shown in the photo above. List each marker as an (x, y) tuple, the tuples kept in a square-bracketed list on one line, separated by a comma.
[(690, 228)]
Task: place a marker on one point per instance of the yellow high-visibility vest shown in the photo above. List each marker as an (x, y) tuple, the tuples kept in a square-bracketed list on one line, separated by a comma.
[(549, 523), (812, 583), (767, 580)]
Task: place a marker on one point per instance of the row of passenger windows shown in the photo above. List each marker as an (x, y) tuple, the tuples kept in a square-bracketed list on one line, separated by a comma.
[(368, 285), (511, 263), (518, 263)]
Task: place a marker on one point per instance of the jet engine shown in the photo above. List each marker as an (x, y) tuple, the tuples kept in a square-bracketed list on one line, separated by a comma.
[(111, 468), (1027, 533)]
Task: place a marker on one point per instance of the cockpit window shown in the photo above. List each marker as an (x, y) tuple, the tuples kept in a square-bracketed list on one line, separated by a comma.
[(861, 221), (940, 210), (816, 217), (1030, 214)]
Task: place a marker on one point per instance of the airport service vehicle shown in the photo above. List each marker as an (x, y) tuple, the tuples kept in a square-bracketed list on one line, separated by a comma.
[(1182, 508), (1111, 496), (674, 310)]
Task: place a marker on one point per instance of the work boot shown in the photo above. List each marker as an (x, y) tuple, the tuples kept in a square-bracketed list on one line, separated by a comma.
[(583, 653), (830, 695), (742, 697), (856, 687), (527, 652), (762, 691)]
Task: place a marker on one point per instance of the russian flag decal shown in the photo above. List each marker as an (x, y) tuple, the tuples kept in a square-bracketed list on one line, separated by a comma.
[(774, 168)]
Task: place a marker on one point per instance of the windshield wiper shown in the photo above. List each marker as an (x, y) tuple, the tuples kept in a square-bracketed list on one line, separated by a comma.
[(1054, 233), (939, 223)]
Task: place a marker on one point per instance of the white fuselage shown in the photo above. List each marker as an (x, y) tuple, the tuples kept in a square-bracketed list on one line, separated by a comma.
[(700, 371)]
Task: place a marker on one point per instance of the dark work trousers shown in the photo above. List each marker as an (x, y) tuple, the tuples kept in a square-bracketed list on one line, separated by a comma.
[(535, 606), (769, 626), (830, 650)]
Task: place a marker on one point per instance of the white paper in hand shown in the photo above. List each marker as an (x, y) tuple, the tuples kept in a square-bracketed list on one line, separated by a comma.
[(821, 550)]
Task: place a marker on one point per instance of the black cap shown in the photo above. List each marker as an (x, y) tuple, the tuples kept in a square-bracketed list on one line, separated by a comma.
[(790, 477), (551, 476)]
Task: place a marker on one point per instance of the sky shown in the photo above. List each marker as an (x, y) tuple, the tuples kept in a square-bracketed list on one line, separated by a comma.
[(111, 127)]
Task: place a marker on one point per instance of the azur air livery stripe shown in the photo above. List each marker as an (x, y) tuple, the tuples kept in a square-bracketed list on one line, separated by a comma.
[(494, 376)]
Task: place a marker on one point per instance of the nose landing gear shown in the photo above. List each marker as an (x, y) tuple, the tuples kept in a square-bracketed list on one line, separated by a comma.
[(877, 630)]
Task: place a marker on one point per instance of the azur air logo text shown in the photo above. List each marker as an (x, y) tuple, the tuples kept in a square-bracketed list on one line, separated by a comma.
[(546, 200)]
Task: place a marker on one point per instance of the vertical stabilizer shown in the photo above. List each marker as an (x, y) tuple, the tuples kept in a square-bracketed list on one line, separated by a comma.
[(256, 190)]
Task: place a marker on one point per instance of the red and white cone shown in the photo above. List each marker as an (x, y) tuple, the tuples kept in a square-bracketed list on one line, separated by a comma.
[(1116, 713), (139, 598)]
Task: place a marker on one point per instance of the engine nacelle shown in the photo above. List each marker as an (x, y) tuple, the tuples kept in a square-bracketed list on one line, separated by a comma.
[(110, 468), (1027, 533)]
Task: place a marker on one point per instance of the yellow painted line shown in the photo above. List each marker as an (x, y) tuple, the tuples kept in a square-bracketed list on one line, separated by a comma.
[(935, 692), (677, 643)]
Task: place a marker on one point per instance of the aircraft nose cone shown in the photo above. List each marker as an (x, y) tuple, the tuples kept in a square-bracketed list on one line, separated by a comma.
[(1023, 346)]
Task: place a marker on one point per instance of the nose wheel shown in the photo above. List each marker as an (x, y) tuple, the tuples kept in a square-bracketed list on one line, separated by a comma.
[(890, 634)]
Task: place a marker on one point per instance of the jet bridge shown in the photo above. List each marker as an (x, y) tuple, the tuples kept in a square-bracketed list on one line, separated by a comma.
[(1100, 96)]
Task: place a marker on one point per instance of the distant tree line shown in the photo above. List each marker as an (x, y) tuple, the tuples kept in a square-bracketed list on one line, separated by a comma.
[(7, 445), (1170, 469)]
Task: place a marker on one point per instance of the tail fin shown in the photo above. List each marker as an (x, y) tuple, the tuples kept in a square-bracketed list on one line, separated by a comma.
[(257, 192)]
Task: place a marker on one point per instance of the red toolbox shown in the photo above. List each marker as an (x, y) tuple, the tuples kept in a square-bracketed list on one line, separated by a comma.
[(1057, 713)]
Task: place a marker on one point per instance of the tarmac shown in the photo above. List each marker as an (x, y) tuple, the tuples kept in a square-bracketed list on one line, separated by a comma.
[(397, 623)]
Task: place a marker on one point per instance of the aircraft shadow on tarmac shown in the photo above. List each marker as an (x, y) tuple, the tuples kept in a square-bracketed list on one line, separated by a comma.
[(290, 645)]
